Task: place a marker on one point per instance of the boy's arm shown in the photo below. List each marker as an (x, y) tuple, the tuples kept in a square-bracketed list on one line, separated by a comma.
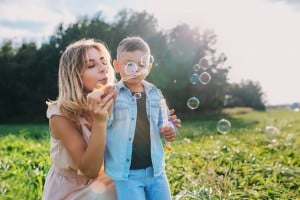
[(168, 131), (173, 118), (164, 120)]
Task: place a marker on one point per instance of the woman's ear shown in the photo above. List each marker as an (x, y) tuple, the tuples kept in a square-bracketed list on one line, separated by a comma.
[(116, 66)]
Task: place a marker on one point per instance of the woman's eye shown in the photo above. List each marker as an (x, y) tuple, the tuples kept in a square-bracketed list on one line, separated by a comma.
[(91, 66), (103, 61)]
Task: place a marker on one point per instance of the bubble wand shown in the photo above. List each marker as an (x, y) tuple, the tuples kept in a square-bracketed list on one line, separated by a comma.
[(164, 111), (134, 75)]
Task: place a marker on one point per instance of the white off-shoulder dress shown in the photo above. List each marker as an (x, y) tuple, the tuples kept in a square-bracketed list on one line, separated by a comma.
[(64, 180)]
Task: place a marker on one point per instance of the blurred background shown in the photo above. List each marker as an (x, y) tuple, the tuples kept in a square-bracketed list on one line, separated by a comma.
[(251, 50)]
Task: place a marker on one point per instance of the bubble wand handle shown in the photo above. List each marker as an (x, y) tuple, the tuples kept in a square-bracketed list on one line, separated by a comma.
[(164, 111)]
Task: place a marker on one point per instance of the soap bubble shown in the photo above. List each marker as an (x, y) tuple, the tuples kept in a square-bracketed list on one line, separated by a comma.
[(204, 78), (130, 68), (146, 60), (196, 67), (194, 78), (223, 126), (193, 103)]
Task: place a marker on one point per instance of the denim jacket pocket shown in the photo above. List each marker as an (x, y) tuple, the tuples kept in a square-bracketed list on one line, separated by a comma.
[(121, 111), (155, 112)]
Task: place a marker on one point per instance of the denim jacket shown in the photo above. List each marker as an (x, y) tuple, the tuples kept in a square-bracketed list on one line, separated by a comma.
[(121, 129)]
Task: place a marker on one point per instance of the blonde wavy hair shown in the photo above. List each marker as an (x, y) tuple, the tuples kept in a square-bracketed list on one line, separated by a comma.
[(71, 100)]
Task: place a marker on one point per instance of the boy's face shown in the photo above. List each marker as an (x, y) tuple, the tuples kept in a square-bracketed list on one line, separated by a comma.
[(139, 58)]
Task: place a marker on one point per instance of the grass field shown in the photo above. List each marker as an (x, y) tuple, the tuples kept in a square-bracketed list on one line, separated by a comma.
[(249, 162)]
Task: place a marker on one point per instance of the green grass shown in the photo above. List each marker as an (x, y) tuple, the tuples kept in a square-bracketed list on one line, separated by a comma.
[(24, 152), (246, 163)]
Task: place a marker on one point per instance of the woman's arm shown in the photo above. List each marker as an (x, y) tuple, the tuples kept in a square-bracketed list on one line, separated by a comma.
[(88, 157)]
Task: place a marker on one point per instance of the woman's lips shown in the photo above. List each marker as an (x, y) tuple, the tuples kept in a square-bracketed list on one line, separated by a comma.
[(103, 81)]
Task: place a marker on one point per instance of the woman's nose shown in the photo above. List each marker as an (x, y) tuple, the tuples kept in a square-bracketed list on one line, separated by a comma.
[(102, 68)]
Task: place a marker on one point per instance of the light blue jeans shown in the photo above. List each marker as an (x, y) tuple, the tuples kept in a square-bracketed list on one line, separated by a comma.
[(142, 185)]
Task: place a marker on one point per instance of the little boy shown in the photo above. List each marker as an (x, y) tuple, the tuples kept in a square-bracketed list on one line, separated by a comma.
[(134, 155)]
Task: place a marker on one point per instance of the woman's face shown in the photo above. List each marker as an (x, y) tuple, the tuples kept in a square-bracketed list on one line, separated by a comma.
[(96, 71)]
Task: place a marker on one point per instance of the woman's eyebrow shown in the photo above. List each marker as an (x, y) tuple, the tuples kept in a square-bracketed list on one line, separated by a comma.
[(94, 60), (90, 62)]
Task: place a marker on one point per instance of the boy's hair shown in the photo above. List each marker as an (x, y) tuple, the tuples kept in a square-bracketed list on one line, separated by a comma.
[(132, 44), (72, 98)]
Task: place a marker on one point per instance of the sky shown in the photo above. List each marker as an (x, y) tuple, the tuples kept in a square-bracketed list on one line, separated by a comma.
[(261, 38)]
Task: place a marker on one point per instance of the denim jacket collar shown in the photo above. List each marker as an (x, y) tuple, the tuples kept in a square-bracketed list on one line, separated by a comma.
[(148, 86)]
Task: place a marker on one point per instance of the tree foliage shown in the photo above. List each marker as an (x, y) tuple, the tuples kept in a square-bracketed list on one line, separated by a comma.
[(246, 94), (29, 74)]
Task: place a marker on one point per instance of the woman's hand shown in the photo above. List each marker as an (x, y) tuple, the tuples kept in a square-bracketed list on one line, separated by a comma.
[(112, 90), (99, 104)]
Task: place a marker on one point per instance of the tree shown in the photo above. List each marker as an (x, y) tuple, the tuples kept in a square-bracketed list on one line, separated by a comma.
[(247, 94), (18, 79), (7, 54), (29, 75), (185, 47), (130, 23)]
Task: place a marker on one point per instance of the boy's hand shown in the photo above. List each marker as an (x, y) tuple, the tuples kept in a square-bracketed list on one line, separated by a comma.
[(173, 118), (168, 132)]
